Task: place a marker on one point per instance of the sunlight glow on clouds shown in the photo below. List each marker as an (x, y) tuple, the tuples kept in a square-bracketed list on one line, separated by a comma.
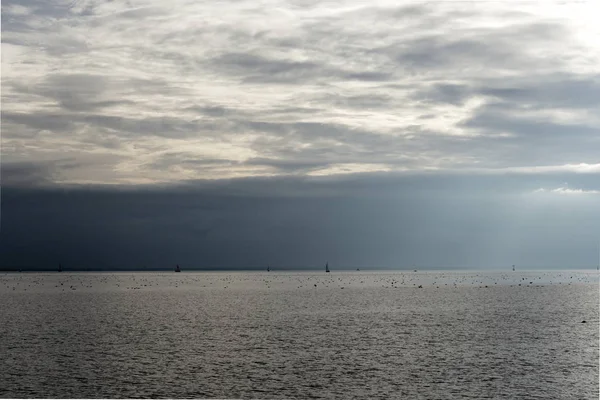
[(578, 168), (568, 191), (349, 169), (146, 91)]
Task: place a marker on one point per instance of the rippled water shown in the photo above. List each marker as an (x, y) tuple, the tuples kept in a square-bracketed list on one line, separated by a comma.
[(277, 335)]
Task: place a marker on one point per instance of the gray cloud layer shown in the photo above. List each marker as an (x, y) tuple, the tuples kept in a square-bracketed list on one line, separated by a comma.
[(396, 221), (286, 88)]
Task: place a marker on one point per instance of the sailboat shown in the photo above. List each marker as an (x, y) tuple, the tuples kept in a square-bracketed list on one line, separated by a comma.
[(268, 269), (513, 267), (177, 269), (327, 267), (59, 268)]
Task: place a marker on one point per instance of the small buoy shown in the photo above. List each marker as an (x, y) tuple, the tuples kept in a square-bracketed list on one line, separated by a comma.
[(583, 322)]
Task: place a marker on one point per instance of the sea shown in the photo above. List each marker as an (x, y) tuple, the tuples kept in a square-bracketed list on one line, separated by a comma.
[(285, 334)]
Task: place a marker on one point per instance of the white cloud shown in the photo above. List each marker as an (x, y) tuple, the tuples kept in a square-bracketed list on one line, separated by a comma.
[(575, 168), (568, 191), (350, 168), (329, 88)]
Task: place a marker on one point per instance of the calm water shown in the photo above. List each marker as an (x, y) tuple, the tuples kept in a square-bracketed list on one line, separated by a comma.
[(277, 335)]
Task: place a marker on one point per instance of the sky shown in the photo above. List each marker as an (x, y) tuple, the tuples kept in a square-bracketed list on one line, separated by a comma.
[(240, 134)]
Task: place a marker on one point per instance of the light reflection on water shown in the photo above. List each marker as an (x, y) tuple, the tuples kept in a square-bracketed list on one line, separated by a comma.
[(277, 335)]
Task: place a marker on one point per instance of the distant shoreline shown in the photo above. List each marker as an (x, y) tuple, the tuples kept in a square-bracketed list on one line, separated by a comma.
[(282, 269)]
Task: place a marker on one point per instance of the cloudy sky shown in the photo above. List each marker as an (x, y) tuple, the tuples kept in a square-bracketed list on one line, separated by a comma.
[(240, 133)]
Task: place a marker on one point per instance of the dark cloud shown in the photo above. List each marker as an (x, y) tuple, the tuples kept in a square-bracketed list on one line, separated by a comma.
[(212, 111), (454, 94), (140, 13), (40, 121), (190, 160), (127, 127), (254, 68), (25, 174), (155, 86), (368, 76), (565, 92), (521, 126), (359, 102), (41, 8), (542, 92), (533, 140), (374, 221), (288, 165), (43, 19), (406, 12), (158, 126), (73, 92), (478, 50), (439, 53)]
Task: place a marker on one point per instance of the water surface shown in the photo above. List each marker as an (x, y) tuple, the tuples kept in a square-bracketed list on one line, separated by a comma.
[(306, 335)]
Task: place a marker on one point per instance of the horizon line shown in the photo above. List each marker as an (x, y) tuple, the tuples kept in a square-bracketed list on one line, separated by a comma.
[(297, 269)]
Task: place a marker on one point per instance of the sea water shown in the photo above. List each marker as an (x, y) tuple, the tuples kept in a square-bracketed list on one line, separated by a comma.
[(429, 335)]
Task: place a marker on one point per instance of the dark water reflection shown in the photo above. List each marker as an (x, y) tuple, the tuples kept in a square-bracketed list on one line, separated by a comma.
[(282, 341)]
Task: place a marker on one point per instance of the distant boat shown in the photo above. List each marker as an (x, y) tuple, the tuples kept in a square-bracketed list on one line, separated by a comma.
[(268, 269), (177, 269), (513, 267), (598, 267), (59, 268), (327, 267), (358, 269)]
